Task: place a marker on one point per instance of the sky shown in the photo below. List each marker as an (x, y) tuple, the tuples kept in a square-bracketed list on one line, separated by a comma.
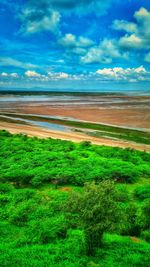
[(75, 44)]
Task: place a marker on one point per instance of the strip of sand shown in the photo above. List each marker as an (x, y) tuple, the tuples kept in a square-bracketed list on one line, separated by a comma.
[(70, 136)]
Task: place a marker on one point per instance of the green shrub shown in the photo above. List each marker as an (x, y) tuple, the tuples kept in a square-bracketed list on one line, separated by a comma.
[(143, 218), (120, 251), (142, 192), (46, 230), (5, 188), (19, 213), (146, 235), (122, 193)]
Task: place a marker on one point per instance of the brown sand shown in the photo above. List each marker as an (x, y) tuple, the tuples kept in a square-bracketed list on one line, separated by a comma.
[(126, 111), (136, 118), (75, 137), (125, 114), (120, 110)]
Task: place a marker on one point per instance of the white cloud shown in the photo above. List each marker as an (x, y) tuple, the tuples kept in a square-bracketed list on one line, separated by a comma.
[(45, 15), (4, 74), (124, 74), (38, 17), (104, 53), (79, 51), (7, 75), (131, 41), (84, 42), (69, 40), (129, 27), (137, 34), (118, 74), (58, 75), (72, 41), (32, 74)]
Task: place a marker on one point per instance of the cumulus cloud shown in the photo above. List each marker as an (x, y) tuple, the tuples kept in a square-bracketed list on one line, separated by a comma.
[(105, 52), (137, 34), (4, 74), (118, 74), (38, 16), (124, 74), (7, 75), (44, 15), (58, 75), (32, 73), (124, 25), (71, 41)]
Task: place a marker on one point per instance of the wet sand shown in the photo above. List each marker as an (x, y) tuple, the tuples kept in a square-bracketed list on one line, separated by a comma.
[(120, 110), (126, 111)]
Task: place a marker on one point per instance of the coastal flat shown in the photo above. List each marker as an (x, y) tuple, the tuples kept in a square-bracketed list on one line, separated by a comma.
[(126, 111), (130, 112)]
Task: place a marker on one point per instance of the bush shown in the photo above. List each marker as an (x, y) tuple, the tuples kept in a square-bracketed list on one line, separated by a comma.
[(142, 192), (146, 235), (123, 252), (46, 230), (19, 214), (96, 211), (143, 219), (124, 172), (5, 188), (122, 193)]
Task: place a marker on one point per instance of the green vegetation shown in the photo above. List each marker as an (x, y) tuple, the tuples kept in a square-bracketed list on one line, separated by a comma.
[(73, 205), (101, 130), (33, 161)]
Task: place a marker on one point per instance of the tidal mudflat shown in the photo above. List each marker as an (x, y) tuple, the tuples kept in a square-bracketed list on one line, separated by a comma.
[(94, 117)]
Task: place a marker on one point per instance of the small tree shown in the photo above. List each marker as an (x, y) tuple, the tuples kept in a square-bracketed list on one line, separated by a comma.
[(96, 211)]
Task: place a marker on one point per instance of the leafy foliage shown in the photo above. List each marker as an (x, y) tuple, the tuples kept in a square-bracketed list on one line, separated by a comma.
[(36, 161), (48, 219), (97, 211)]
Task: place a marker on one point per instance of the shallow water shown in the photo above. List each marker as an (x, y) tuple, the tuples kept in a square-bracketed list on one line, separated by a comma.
[(102, 101), (51, 126), (48, 125)]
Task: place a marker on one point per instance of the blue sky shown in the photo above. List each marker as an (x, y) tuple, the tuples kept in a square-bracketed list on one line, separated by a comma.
[(70, 43)]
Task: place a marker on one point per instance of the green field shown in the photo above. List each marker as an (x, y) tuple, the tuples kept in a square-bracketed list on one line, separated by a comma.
[(73, 205)]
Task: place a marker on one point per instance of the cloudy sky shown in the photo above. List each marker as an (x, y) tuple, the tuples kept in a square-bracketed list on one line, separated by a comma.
[(74, 44)]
